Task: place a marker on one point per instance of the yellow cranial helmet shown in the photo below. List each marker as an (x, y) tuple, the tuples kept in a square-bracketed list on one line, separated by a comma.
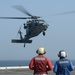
[(41, 50)]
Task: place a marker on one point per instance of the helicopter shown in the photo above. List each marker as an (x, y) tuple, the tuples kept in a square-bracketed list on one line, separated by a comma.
[(34, 26)]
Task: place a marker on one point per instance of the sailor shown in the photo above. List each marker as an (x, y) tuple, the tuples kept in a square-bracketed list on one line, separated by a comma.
[(63, 66), (40, 64)]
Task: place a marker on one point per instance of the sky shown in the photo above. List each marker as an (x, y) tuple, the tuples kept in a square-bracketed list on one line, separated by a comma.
[(59, 35)]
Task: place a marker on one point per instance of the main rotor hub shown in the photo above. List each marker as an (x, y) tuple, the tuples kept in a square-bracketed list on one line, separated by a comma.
[(35, 17)]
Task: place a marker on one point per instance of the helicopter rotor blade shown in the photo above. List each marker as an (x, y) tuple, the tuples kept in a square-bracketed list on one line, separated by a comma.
[(15, 18), (64, 13), (22, 9)]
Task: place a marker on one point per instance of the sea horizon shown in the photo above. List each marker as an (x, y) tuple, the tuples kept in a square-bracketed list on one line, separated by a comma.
[(7, 63)]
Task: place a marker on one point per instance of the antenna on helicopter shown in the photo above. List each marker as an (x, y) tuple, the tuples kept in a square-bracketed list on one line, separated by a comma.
[(19, 32)]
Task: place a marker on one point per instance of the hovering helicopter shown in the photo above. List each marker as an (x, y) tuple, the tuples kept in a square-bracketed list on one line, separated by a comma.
[(34, 26)]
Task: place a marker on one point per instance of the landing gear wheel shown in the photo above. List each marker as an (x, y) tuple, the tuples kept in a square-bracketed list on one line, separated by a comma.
[(43, 33)]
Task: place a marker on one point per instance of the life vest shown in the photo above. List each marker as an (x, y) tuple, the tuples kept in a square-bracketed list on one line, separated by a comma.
[(63, 66), (40, 64)]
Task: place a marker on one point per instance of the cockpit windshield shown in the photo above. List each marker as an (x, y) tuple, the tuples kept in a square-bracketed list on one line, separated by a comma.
[(40, 21)]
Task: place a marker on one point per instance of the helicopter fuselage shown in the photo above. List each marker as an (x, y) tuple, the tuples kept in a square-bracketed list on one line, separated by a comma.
[(33, 28), (36, 28)]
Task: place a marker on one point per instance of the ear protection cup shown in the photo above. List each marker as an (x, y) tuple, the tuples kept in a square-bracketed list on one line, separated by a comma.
[(37, 51), (44, 52), (59, 55)]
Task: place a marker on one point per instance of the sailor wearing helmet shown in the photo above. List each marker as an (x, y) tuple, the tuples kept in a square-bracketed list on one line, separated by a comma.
[(63, 66), (40, 64)]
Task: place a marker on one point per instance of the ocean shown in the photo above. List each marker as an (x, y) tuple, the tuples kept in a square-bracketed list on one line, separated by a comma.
[(7, 63)]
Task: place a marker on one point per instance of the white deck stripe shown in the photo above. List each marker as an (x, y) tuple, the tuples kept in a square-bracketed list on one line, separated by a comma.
[(15, 67)]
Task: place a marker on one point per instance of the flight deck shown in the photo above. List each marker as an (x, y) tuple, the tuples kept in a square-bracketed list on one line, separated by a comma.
[(22, 71)]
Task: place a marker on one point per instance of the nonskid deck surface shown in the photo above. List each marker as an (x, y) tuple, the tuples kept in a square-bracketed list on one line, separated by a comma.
[(23, 72)]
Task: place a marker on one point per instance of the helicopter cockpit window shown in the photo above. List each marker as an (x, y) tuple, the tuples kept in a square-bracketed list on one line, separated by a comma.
[(29, 24), (42, 22)]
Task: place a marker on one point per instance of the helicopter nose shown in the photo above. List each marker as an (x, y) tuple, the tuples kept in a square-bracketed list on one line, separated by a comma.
[(45, 28), (47, 25)]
